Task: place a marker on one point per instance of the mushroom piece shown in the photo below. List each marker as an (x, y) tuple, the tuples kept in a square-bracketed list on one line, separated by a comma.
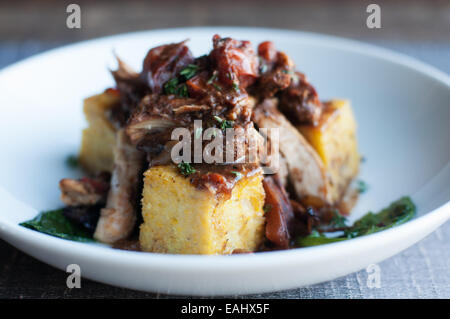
[(84, 191), (306, 170), (279, 213), (118, 218)]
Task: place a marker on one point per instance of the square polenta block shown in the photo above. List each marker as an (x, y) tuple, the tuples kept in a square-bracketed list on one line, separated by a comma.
[(182, 219), (334, 139), (99, 138)]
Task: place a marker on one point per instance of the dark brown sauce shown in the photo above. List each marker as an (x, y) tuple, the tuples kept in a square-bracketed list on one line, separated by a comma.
[(131, 244), (221, 179)]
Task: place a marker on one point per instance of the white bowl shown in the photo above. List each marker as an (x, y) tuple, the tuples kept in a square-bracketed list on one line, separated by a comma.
[(402, 107)]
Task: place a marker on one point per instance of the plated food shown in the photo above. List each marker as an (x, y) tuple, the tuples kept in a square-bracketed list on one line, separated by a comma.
[(290, 179), (46, 123)]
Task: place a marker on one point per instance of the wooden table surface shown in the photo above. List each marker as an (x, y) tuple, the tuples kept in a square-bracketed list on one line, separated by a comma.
[(418, 28)]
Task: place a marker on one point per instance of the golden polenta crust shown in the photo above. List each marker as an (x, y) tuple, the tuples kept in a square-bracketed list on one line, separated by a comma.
[(98, 140), (334, 139), (182, 219)]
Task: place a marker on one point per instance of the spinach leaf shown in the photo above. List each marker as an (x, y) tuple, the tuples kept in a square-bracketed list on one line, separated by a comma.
[(397, 213), (316, 239), (72, 161), (56, 224)]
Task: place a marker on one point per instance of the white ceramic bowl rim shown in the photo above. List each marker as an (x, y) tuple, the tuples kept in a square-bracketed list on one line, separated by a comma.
[(195, 263)]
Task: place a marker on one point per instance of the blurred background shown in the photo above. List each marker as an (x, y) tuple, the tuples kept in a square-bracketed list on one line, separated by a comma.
[(411, 26), (418, 28)]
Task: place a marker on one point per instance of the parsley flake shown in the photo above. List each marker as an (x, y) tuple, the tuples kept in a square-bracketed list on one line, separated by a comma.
[(182, 91), (362, 187), (212, 78), (224, 124), (170, 87), (237, 174), (186, 169), (189, 71), (267, 208)]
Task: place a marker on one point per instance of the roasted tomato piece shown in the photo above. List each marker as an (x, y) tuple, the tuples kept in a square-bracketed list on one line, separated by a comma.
[(276, 70), (164, 62), (300, 102), (235, 61), (267, 51)]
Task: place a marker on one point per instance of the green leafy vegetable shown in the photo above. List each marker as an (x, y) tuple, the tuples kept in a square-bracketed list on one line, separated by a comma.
[(218, 88), (315, 239), (267, 208), (182, 91), (54, 223), (237, 174), (224, 124), (338, 220), (362, 187), (189, 71), (186, 169), (212, 78), (236, 87), (397, 213), (309, 241), (72, 161), (171, 86)]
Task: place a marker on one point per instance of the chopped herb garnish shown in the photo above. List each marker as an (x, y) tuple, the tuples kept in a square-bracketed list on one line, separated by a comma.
[(362, 187), (237, 174), (218, 88), (267, 208), (56, 224), (236, 87), (72, 161), (212, 78), (189, 71), (186, 169), (224, 124), (171, 86), (182, 91)]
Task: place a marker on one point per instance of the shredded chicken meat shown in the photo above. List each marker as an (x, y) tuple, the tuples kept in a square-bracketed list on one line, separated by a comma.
[(231, 87)]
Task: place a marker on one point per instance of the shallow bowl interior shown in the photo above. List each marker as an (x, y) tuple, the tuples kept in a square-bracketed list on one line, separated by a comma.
[(402, 108)]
